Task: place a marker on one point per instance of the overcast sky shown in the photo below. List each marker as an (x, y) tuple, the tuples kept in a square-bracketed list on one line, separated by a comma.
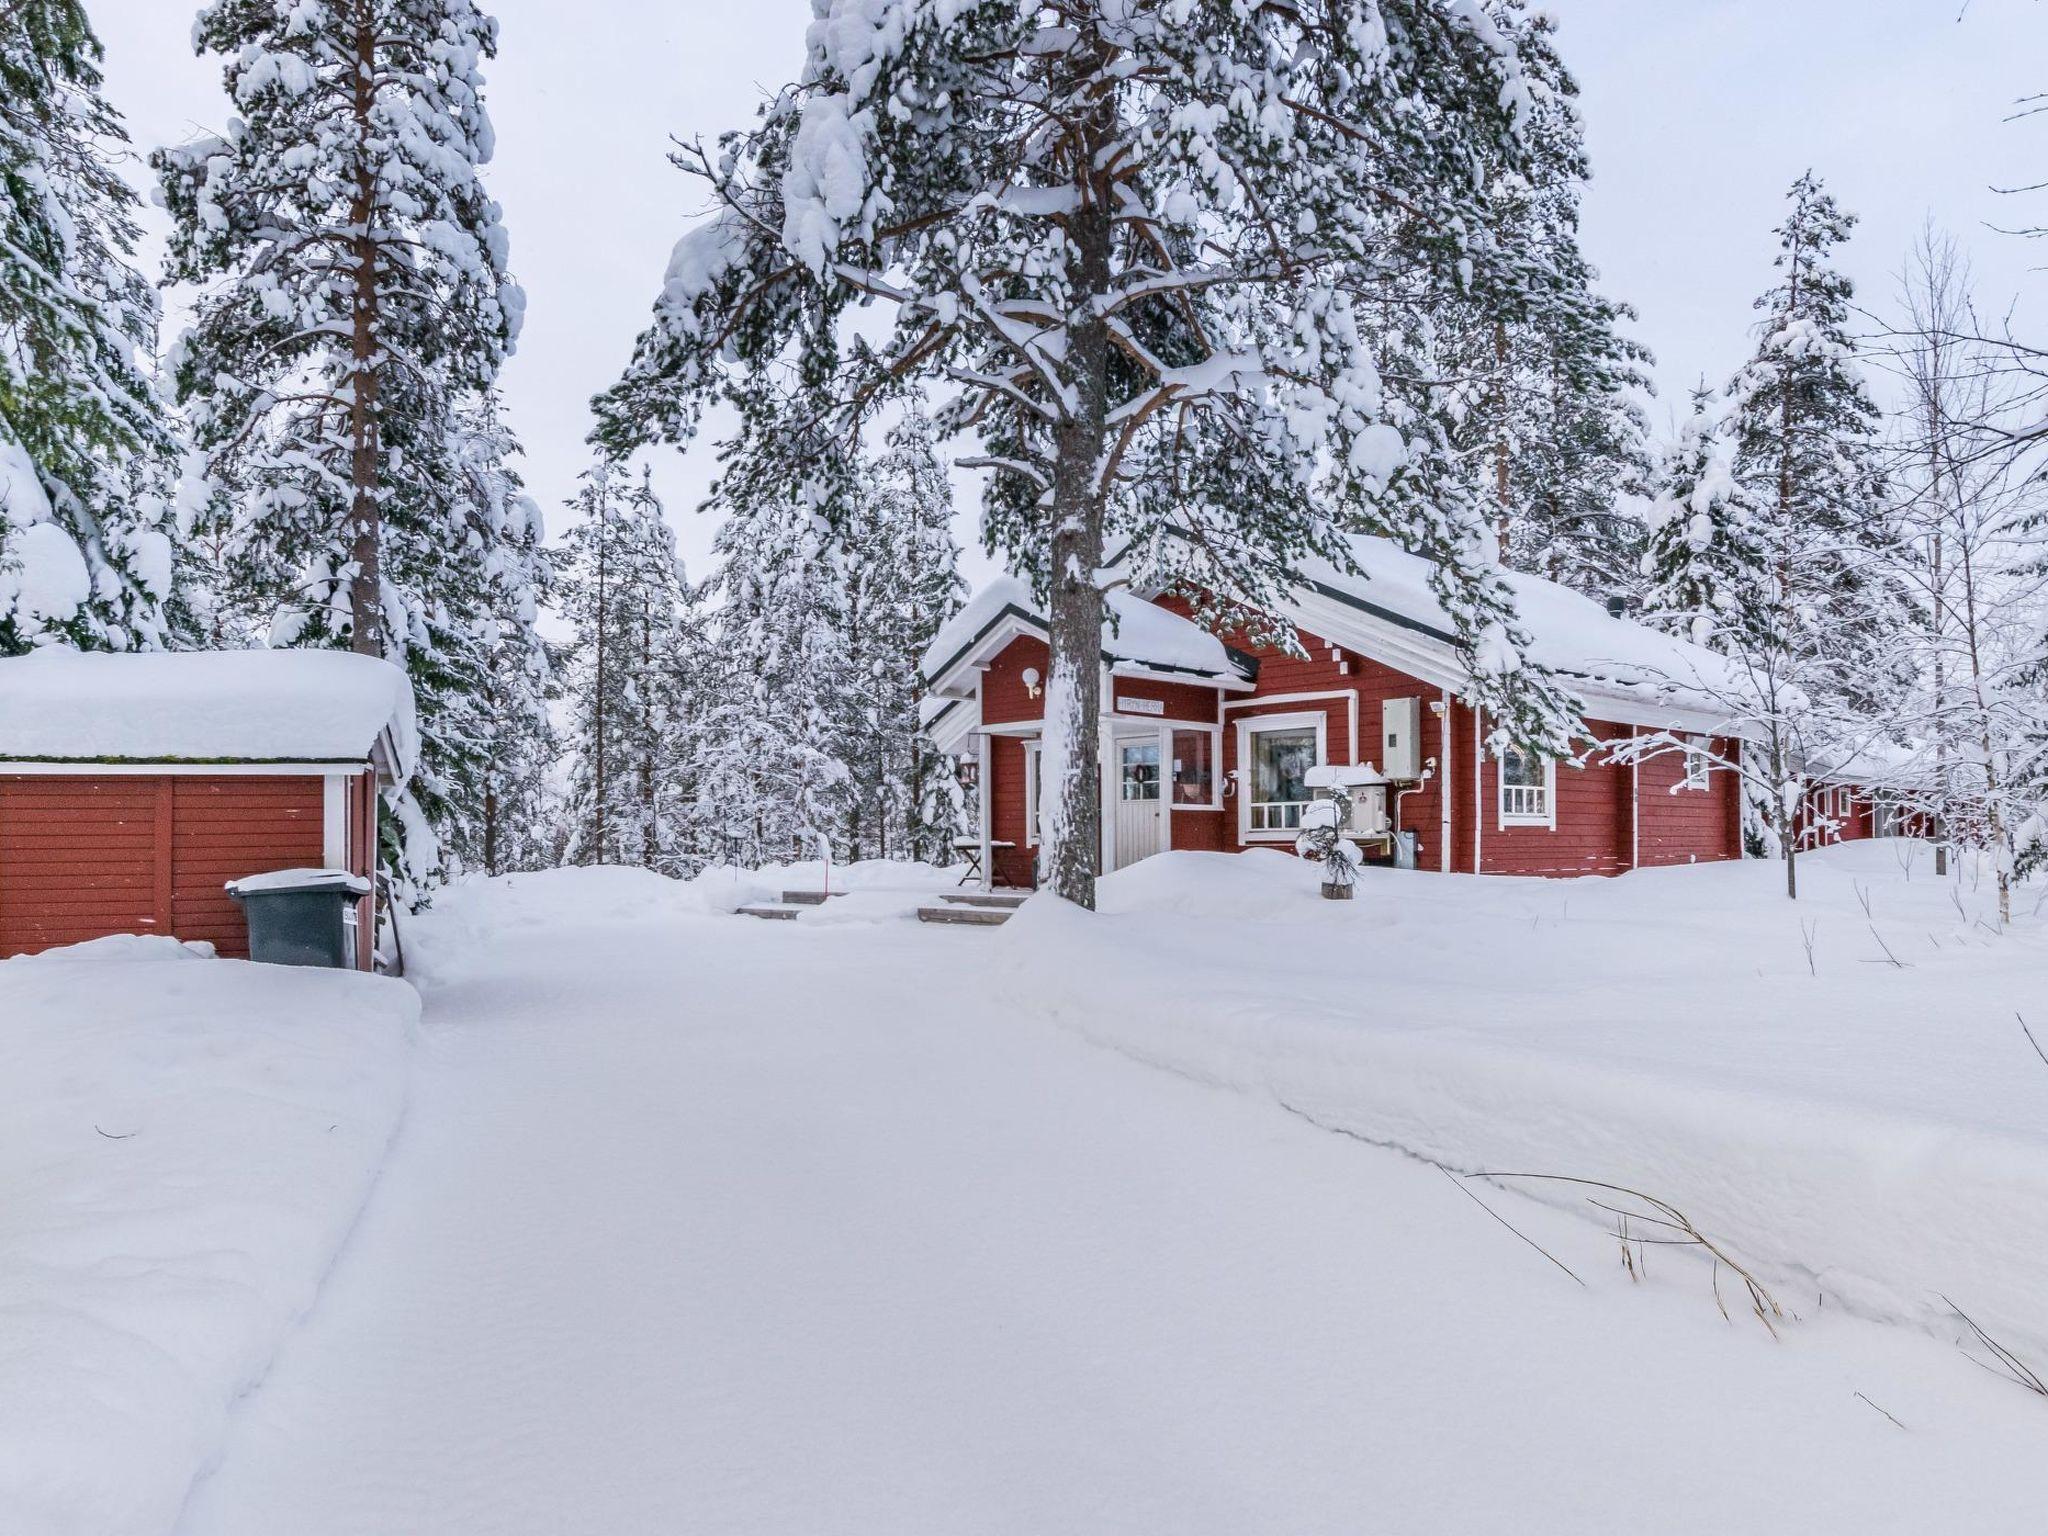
[(1699, 113)]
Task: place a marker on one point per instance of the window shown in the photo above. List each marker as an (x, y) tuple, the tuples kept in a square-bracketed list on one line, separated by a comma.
[(1033, 782), (1194, 768), (1140, 777), (1528, 789), (1696, 763), (1278, 752)]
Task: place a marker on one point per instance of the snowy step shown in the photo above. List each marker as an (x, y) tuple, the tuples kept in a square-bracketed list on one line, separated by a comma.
[(963, 912), (778, 911), (1009, 900), (808, 898)]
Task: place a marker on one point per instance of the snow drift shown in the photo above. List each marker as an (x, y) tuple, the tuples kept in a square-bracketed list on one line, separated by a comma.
[(184, 1144), (1871, 1135)]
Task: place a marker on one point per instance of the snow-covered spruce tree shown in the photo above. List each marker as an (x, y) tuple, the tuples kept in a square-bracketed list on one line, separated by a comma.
[(1549, 388), (1704, 558), (1164, 253), (768, 736), (621, 588), (1822, 623), (353, 294), (901, 582), (1704, 573), (507, 791), (85, 449)]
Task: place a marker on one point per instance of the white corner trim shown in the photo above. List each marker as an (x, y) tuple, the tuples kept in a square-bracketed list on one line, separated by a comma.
[(1446, 815), (334, 821)]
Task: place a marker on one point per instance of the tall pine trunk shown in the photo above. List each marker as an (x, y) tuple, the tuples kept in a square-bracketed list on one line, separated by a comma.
[(365, 592), (650, 845), (1503, 513), (1073, 691), (598, 710)]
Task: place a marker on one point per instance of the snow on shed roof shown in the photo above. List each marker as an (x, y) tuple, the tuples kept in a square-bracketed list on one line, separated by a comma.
[(1141, 634), (60, 704)]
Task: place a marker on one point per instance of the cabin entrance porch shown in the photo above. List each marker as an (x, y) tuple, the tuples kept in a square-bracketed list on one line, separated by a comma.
[(1149, 770)]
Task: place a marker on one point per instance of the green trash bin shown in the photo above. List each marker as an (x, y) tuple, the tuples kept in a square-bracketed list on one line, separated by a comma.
[(301, 916)]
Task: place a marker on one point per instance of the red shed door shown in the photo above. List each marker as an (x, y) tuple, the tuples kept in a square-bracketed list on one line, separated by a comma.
[(79, 859)]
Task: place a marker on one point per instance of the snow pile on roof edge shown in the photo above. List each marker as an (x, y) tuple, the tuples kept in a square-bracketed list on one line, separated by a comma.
[(203, 706)]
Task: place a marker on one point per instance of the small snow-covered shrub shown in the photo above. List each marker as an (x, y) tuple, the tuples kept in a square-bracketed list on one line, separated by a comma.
[(1322, 841)]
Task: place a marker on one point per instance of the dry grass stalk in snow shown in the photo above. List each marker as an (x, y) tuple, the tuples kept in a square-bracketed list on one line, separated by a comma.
[(2003, 1362), (1666, 1217)]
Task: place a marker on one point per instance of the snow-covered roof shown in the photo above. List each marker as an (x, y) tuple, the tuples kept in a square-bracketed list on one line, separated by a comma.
[(59, 704), (1599, 655), (1141, 635)]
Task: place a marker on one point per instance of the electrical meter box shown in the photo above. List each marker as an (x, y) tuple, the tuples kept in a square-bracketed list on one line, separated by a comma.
[(1401, 738)]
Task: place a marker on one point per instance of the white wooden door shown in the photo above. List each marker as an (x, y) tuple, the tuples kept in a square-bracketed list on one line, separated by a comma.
[(1138, 803)]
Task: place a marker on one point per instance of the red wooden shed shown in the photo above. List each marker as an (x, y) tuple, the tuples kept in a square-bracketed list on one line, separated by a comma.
[(134, 787)]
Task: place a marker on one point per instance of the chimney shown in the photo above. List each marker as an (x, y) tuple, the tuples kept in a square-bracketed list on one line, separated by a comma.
[(1617, 606)]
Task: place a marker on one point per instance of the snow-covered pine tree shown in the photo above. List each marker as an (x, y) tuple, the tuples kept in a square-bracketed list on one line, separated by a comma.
[(354, 294), (1822, 619), (85, 449), (621, 587), (1551, 389), (901, 582), (506, 796), (1165, 252)]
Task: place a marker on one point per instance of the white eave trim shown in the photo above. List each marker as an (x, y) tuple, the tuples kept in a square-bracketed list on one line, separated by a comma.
[(1139, 670), (90, 768)]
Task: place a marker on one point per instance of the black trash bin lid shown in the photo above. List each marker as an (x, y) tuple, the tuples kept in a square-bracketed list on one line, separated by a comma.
[(300, 880)]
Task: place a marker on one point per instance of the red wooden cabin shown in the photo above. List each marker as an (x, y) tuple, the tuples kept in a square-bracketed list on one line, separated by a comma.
[(133, 787), (1207, 745)]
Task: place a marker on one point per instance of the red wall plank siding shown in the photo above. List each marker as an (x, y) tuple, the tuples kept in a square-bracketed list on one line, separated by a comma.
[(82, 857), (1012, 866), (77, 860), (1180, 701), (1004, 698), (1591, 816), (1684, 826), (233, 826), (1202, 831)]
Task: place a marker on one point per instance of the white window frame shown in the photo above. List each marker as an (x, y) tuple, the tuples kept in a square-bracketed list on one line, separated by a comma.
[(1253, 725), (1547, 819), (1034, 813), (1173, 728), (1697, 767)]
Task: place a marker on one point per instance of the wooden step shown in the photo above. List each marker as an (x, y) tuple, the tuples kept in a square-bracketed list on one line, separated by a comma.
[(963, 912), (776, 911), (1009, 900), (808, 898)]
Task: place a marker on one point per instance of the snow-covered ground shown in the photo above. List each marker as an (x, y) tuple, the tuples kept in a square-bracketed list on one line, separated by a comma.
[(700, 1223), (184, 1144), (1871, 1129)]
